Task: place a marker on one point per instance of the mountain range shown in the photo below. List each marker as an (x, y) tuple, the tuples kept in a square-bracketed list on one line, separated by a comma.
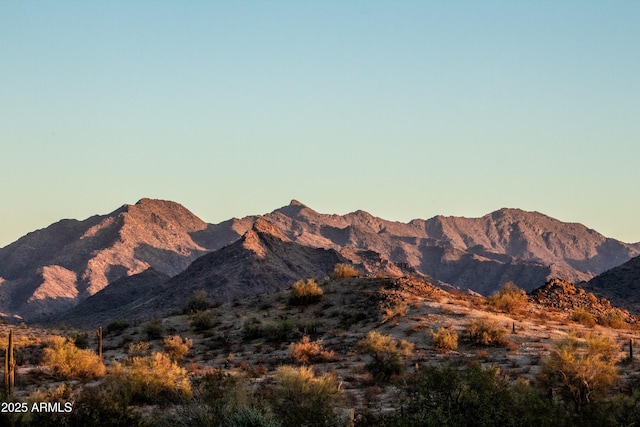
[(165, 252)]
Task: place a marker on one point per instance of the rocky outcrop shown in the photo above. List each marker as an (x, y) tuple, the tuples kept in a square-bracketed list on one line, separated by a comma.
[(564, 296)]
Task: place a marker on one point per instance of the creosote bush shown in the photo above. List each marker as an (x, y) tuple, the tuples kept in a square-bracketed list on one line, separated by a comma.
[(198, 301), (388, 354), (486, 331), (583, 317), (177, 347), (153, 329), (445, 338), (306, 352), (613, 318), (510, 298), (202, 320), (299, 398), (67, 360), (583, 370), (344, 271), (152, 379), (305, 292), (116, 327)]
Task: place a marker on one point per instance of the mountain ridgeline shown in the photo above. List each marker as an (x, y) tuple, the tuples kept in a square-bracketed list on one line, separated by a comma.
[(164, 252)]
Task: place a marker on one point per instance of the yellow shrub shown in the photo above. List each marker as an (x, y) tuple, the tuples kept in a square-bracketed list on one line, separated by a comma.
[(445, 339), (344, 271), (387, 354), (510, 298), (177, 347), (486, 331), (152, 379), (305, 292), (67, 360)]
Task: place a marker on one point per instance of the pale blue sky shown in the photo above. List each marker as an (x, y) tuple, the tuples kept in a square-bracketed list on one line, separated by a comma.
[(405, 109)]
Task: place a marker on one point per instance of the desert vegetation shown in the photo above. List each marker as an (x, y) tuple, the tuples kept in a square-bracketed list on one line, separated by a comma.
[(445, 359), (305, 292)]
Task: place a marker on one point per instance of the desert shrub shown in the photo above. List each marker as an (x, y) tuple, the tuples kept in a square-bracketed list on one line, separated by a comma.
[(306, 352), (583, 317), (252, 329), (198, 301), (153, 329), (67, 360), (176, 347), (153, 379), (397, 310), (139, 349), (613, 318), (510, 298), (279, 330), (117, 327), (474, 396), (486, 331), (305, 292), (251, 417), (584, 371), (387, 353), (445, 339), (344, 271), (299, 398), (81, 340), (202, 320)]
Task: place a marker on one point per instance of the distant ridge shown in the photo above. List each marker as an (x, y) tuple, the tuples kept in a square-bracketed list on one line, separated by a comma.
[(54, 269)]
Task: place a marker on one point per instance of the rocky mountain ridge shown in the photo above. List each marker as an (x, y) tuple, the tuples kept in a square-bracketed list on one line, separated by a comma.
[(52, 270)]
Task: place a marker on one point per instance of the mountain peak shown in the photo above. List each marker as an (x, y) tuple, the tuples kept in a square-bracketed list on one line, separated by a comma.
[(295, 202)]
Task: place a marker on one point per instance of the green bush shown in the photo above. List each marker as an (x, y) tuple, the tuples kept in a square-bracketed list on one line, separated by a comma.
[(198, 301), (303, 293), (445, 339), (486, 331), (117, 327), (387, 354), (583, 317), (510, 298), (202, 320), (68, 361), (613, 318), (251, 417), (299, 398), (584, 371), (153, 329)]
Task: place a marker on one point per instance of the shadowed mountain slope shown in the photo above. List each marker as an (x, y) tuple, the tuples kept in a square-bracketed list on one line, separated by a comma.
[(620, 285), (263, 260)]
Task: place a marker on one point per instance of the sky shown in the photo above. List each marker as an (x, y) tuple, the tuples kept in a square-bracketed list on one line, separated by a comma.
[(404, 109)]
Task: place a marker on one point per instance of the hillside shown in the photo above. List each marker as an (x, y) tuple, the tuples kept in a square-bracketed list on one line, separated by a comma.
[(236, 352), (263, 260), (621, 285)]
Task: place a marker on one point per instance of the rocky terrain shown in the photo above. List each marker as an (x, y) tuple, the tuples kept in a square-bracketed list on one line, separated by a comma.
[(52, 270), (236, 350)]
